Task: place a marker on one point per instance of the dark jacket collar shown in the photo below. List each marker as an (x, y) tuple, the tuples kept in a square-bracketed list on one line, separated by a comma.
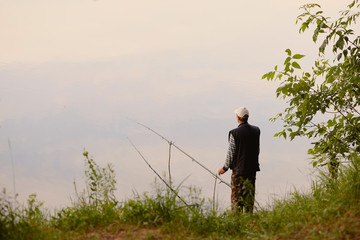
[(243, 124)]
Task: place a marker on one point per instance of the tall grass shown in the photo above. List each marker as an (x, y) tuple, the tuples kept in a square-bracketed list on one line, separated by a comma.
[(330, 210), (96, 205), (29, 222), (323, 212)]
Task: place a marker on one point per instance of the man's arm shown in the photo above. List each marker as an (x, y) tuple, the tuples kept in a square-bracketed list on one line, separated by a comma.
[(229, 156)]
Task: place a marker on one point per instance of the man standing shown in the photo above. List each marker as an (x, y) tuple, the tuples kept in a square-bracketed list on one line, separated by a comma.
[(243, 159)]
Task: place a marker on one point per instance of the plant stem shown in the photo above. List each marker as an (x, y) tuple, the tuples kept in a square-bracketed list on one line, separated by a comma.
[(13, 167), (169, 163)]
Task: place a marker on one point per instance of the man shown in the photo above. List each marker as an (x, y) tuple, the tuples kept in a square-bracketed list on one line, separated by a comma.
[(243, 159)]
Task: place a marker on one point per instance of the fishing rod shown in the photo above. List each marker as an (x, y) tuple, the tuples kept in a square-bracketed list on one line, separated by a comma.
[(157, 173), (186, 154)]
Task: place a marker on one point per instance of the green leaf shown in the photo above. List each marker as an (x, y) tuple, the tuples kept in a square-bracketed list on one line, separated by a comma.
[(331, 123), (298, 56), (296, 65), (350, 115), (323, 46), (288, 51), (339, 56), (287, 60), (330, 79), (272, 75), (304, 26)]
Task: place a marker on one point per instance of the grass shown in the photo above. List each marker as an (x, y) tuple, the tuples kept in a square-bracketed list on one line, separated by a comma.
[(330, 210)]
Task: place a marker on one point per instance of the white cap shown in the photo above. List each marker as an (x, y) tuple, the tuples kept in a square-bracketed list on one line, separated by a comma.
[(241, 112)]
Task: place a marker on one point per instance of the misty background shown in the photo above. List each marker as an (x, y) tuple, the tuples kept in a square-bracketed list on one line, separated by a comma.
[(74, 73)]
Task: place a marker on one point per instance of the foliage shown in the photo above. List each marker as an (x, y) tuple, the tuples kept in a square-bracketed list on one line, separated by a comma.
[(85, 217), (299, 215), (100, 182), (95, 206), (29, 222), (331, 210), (324, 104), (162, 206)]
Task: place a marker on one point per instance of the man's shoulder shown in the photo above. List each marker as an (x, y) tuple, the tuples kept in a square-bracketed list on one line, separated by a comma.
[(235, 129), (245, 126), (254, 127)]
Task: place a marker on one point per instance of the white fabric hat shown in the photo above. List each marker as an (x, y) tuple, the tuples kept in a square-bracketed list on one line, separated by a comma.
[(241, 112)]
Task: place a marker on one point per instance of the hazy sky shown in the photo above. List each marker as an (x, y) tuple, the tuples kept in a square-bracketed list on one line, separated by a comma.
[(73, 72)]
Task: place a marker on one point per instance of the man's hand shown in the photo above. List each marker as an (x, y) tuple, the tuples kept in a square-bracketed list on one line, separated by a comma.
[(221, 171)]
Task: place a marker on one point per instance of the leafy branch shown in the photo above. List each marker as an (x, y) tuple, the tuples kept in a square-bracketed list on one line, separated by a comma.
[(330, 88)]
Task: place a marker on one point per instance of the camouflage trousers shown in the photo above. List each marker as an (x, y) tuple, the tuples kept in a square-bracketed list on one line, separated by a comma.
[(243, 192)]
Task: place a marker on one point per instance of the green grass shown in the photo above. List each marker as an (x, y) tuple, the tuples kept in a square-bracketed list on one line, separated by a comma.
[(330, 210)]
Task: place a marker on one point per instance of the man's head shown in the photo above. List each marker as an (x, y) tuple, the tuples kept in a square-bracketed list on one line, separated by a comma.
[(242, 114)]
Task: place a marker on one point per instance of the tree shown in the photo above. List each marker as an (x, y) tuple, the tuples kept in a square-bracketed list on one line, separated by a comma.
[(323, 104)]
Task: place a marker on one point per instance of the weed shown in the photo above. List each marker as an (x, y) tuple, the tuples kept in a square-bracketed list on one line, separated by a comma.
[(96, 205), (330, 210)]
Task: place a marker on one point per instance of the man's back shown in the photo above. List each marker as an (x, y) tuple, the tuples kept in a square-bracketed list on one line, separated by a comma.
[(243, 158), (247, 141)]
